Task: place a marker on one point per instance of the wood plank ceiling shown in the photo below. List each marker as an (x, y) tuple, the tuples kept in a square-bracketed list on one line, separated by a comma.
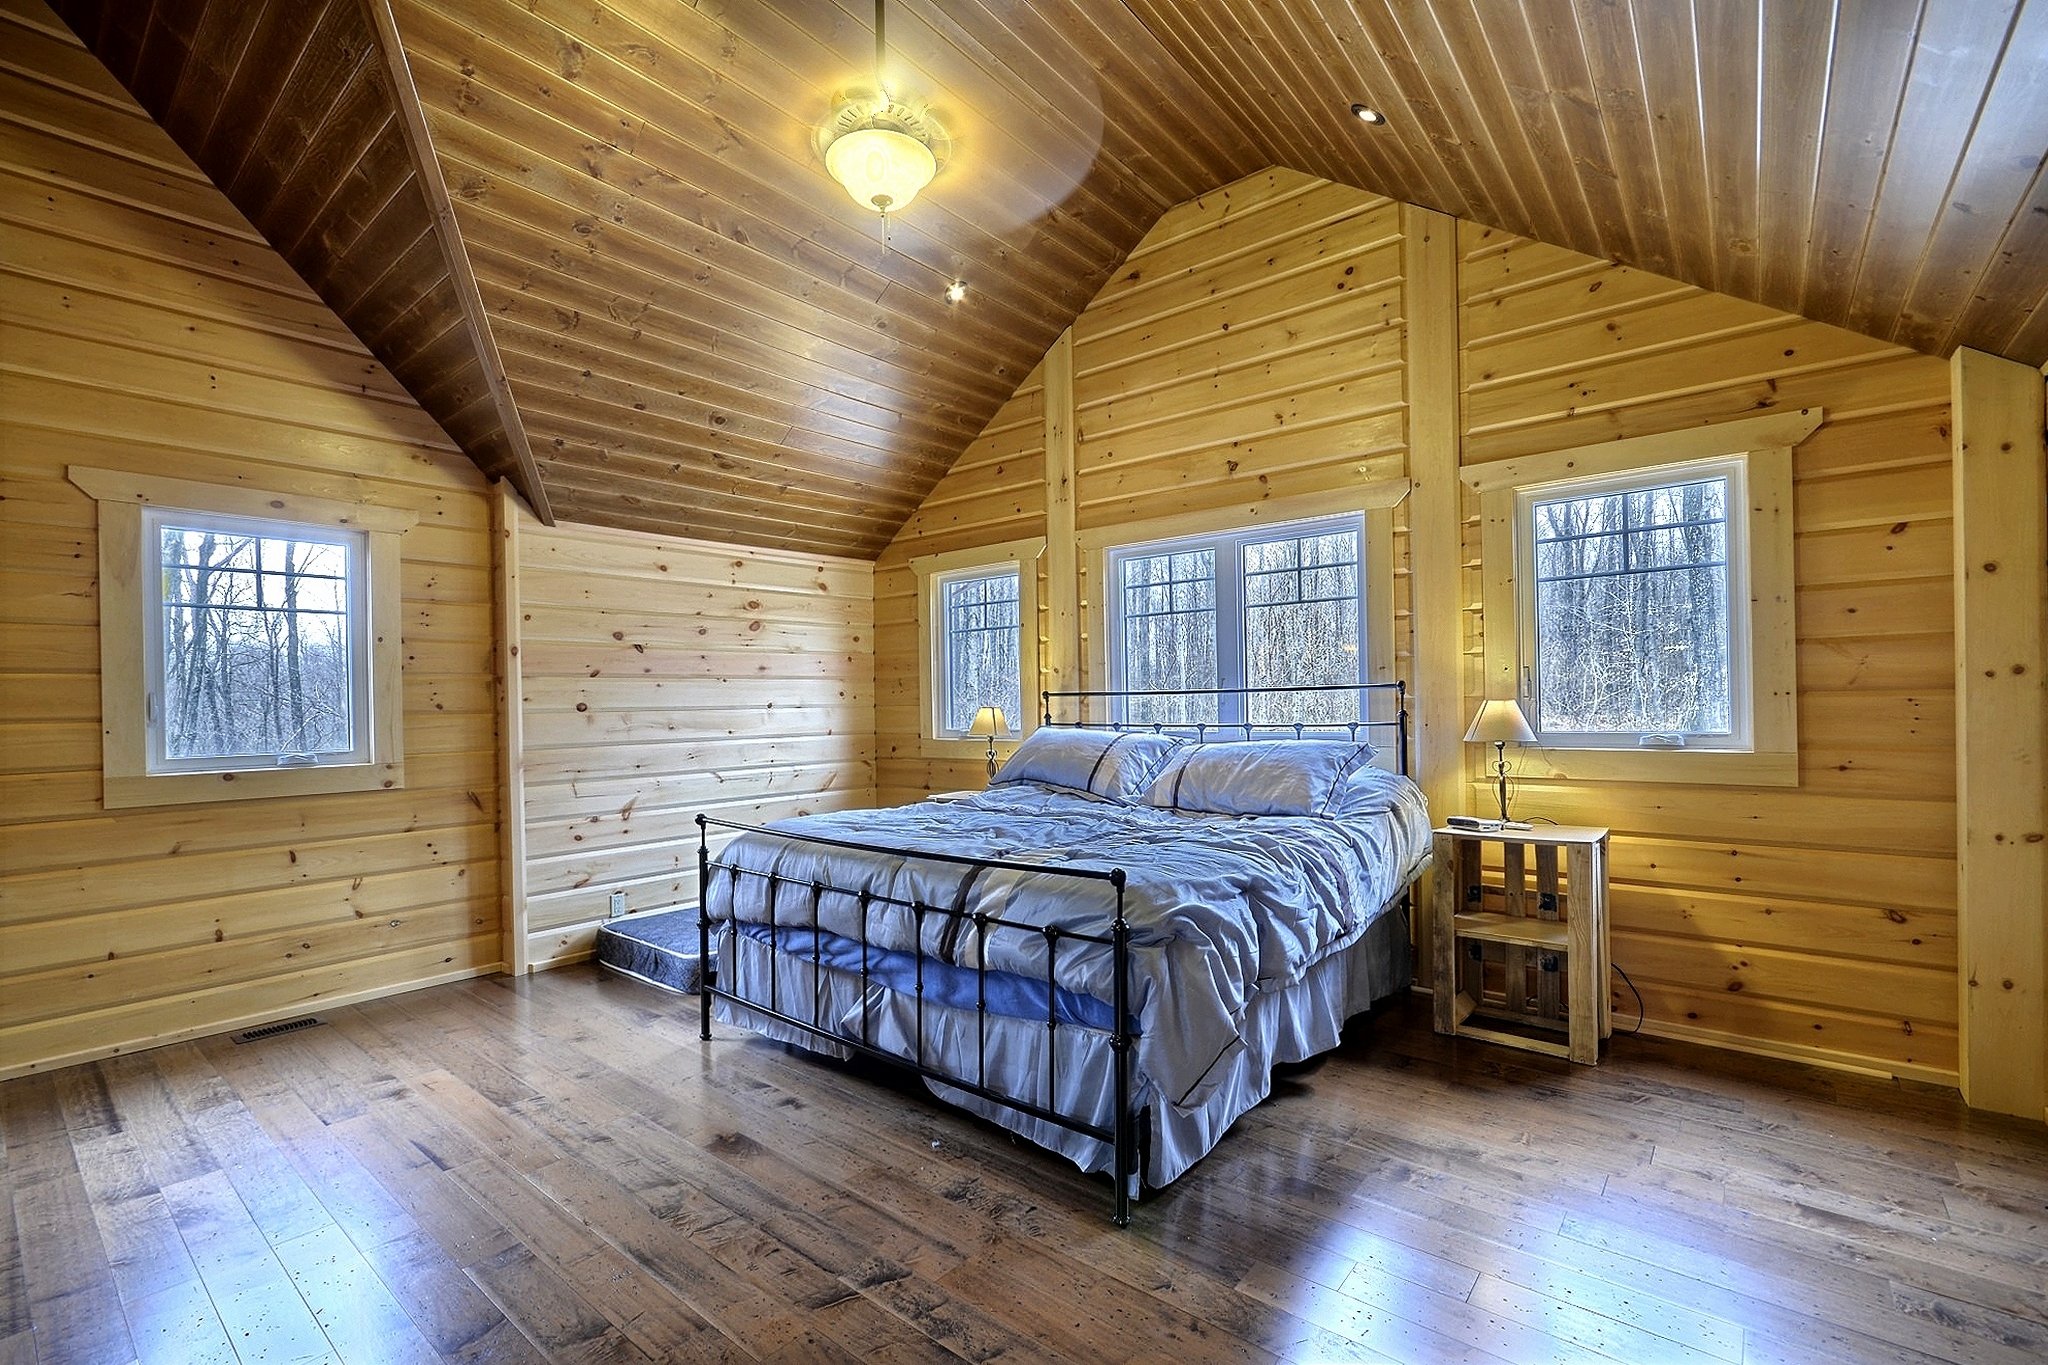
[(704, 336)]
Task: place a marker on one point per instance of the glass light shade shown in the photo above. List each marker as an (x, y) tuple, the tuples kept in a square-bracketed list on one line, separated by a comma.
[(989, 721), (882, 168), (1500, 722)]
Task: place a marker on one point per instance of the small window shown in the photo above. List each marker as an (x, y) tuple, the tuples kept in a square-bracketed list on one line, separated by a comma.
[(1270, 607), (980, 643), (249, 641), (1634, 610), (257, 653)]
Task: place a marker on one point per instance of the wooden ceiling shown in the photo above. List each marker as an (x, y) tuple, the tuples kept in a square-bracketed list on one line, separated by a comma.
[(702, 335)]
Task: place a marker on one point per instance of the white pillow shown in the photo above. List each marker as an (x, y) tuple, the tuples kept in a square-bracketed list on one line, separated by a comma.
[(1260, 777), (1119, 765)]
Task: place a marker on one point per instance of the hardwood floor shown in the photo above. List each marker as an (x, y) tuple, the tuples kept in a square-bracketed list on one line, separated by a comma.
[(557, 1169)]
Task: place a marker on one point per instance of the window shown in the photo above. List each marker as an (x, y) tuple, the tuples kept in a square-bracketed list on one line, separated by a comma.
[(1634, 608), (248, 641), (979, 646), (978, 621), (1272, 606), (257, 644), (1637, 598)]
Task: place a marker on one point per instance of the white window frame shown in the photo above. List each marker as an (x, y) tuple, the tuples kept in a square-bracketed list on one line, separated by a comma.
[(933, 572), (130, 506), (1228, 547), (1763, 447), (1735, 470)]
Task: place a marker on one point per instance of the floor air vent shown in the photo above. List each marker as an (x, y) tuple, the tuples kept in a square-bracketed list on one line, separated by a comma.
[(254, 1035)]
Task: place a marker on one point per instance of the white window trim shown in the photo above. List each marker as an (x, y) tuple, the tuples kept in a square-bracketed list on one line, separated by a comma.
[(1735, 470), (934, 570), (1375, 501), (127, 781), (1765, 445), (1229, 543)]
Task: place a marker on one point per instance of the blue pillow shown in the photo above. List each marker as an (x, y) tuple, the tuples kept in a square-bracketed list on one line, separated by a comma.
[(1109, 763), (1260, 777)]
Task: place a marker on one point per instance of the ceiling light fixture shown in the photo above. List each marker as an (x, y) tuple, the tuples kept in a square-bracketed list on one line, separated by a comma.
[(1367, 114), (956, 292), (883, 151)]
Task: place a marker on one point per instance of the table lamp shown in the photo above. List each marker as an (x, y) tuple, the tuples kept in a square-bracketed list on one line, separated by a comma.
[(1500, 723), (988, 723)]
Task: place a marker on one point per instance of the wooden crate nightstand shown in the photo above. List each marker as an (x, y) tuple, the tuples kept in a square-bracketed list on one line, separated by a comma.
[(1515, 928)]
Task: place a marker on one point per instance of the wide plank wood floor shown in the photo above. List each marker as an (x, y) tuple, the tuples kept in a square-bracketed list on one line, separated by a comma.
[(557, 1169)]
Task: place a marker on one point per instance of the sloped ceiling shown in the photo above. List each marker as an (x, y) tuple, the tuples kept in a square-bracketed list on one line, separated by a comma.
[(702, 335)]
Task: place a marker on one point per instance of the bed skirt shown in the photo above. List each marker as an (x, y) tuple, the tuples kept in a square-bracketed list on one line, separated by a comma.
[(1075, 1074)]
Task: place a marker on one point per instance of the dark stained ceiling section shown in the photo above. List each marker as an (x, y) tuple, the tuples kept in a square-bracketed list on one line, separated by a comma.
[(703, 335), (291, 108)]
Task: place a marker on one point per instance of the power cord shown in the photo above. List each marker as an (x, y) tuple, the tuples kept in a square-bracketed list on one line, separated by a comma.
[(1633, 991)]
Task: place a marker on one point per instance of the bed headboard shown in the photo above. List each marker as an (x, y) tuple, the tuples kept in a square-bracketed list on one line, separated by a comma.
[(1074, 709)]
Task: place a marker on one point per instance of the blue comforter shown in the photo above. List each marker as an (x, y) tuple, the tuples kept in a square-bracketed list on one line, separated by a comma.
[(1220, 907)]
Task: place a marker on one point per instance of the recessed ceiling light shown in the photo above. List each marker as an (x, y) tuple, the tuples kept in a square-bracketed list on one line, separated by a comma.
[(956, 291), (1367, 114)]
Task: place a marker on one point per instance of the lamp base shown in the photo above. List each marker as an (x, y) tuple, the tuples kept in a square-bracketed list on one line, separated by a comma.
[(1500, 770)]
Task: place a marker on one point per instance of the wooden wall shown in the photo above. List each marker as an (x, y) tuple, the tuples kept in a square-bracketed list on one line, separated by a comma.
[(1248, 349), (1254, 347), (659, 678), (1819, 919), (148, 327)]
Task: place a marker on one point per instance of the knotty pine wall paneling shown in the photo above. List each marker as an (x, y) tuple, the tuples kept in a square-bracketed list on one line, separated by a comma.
[(1811, 921), (662, 677), (145, 325)]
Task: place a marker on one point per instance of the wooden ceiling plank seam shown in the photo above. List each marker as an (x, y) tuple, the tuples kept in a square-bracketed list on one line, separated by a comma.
[(410, 330), (1575, 103), (1453, 88), (1875, 43), (1524, 103), (1024, 105), (581, 485), (356, 154), (815, 230), (2005, 137), (768, 450), (241, 104), (1957, 52), (166, 48), (1726, 34), (369, 291), (881, 461), (381, 217), (809, 408), (427, 175), (1248, 70), (1096, 215), (314, 64), (303, 143), (1408, 104), (217, 46), (1132, 137), (1313, 138), (1667, 60), (1792, 109), (1617, 89), (799, 333), (2013, 290), (1200, 52)]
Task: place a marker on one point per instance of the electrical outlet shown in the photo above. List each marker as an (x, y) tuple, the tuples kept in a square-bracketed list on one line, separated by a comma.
[(618, 904)]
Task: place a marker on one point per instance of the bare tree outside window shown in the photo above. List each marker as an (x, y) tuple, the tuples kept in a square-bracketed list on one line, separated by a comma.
[(1633, 611), (1301, 627), (981, 641), (1169, 635), (255, 645)]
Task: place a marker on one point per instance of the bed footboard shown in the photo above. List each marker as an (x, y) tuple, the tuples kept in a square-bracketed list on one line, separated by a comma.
[(1121, 1134)]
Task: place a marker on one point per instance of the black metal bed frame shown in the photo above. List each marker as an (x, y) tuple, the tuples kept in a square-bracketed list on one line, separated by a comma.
[(1126, 1134)]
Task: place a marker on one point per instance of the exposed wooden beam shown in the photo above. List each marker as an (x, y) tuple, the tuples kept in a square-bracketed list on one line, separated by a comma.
[(412, 123), (2001, 585), (1062, 577)]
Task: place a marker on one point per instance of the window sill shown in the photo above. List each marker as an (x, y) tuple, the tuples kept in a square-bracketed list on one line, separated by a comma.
[(184, 789), (1703, 766)]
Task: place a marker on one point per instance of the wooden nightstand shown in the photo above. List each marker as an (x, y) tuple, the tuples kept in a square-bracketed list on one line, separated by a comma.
[(1545, 946)]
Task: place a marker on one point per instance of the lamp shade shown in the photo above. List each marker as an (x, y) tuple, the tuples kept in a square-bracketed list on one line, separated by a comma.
[(1500, 722), (882, 168), (989, 722)]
